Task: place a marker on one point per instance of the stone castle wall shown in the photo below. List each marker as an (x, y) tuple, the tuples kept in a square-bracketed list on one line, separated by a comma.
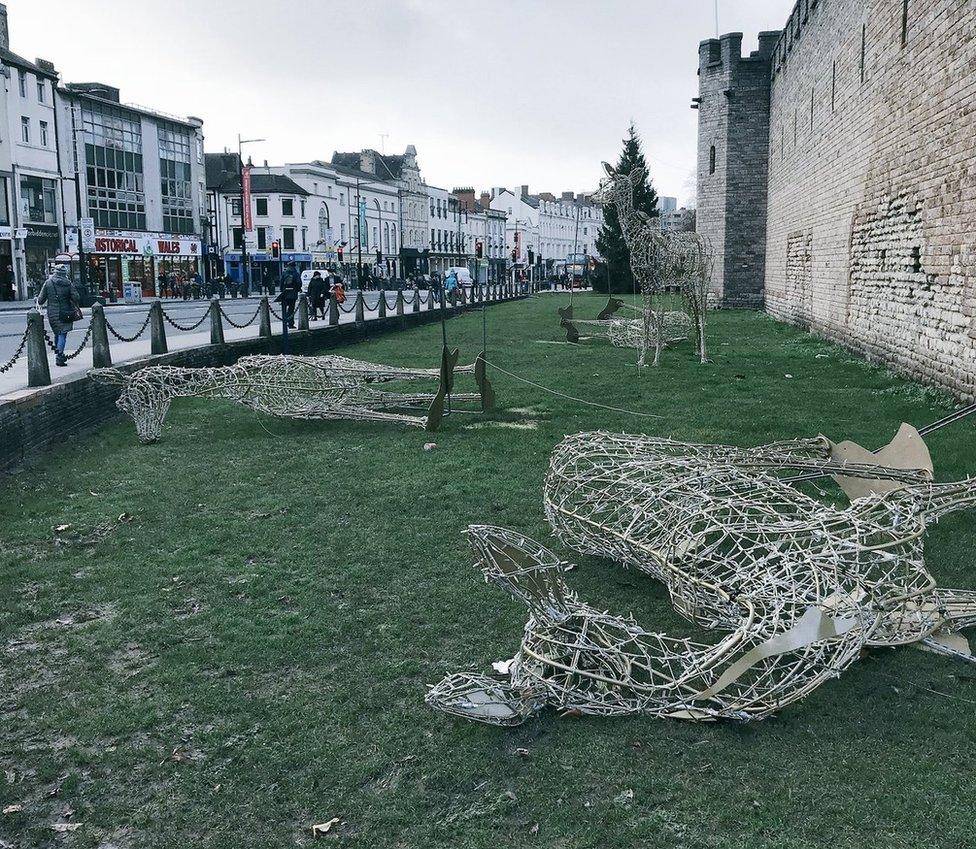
[(871, 205)]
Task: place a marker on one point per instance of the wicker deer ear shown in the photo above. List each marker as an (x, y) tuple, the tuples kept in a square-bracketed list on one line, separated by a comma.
[(906, 451), (611, 173)]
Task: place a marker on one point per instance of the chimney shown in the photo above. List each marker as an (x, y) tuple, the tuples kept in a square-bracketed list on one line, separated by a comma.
[(4, 32), (367, 162), (568, 196), (485, 200), (524, 191), (465, 196)]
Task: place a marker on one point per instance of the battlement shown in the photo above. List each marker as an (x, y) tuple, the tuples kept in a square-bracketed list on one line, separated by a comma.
[(724, 55), (790, 35)]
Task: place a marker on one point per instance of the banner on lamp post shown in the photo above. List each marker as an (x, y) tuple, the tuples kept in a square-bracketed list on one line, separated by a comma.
[(246, 221)]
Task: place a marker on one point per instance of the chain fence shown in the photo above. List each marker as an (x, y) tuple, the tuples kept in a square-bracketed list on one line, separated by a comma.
[(186, 327), (122, 338), (17, 354), (233, 323), (78, 350)]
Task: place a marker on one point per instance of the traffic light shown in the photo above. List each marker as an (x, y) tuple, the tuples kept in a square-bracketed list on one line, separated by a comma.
[(340, 254), (379, 257), (514, 255), (479, 249), (276, 249)]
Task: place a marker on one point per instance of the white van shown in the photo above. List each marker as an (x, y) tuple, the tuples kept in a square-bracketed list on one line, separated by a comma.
[(462, 274)]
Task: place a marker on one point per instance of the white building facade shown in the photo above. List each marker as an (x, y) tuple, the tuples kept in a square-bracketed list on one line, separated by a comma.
[(31, 208), (140, 181)]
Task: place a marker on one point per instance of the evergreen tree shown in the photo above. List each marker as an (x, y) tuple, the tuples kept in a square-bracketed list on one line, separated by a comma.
[(610, 240)]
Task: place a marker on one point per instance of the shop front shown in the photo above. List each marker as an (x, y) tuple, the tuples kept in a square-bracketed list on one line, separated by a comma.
[(264, 268), (41, 244), (159, 263)]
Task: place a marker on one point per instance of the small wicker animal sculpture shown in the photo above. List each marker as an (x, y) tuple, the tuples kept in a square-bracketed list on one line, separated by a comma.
[(328, 387)]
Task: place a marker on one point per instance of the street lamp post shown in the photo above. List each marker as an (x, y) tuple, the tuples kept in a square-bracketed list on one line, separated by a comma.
[(245, 265)]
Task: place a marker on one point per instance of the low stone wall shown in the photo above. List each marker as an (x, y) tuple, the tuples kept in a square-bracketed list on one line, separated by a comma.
[(44, 417)]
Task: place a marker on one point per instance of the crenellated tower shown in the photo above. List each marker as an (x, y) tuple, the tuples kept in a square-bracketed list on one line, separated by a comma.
[(733, 153)]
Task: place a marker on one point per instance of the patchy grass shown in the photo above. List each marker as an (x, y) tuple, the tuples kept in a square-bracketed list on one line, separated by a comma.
[(232, 639)]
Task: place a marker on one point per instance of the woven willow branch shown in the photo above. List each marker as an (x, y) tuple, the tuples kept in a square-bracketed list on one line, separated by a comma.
[(329, 387), (799, 587)]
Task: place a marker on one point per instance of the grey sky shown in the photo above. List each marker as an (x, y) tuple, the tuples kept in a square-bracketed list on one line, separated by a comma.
[(492, 92)]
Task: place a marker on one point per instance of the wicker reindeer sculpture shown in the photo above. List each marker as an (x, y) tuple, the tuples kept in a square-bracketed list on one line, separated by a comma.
[(659, 259), (328, 387), (800, 588)]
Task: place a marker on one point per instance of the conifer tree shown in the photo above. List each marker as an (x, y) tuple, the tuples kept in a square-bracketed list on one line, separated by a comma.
[(610, 240)]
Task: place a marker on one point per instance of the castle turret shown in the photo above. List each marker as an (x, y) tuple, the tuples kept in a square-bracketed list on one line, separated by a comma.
[(733, 151)]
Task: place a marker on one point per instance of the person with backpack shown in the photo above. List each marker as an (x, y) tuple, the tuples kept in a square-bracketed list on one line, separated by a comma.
[(291, 285), (63, 308)]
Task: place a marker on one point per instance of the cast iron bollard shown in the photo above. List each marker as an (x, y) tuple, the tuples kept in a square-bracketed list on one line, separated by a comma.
[(415, 303), (101, 355), (381, 303), (333, 310), (302, 311), (157, 330), (399, 302), (264, 327), (216, 325), (38, 368), (431, 299), (360, 316)]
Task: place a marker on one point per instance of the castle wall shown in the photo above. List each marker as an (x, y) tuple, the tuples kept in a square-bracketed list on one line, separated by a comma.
[(871, 209)]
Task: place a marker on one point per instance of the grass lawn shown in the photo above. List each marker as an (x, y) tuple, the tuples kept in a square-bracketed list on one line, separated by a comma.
[(246, 652)]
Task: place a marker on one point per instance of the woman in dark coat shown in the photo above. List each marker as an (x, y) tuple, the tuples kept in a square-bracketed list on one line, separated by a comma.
[(316, 295), (62, 301)]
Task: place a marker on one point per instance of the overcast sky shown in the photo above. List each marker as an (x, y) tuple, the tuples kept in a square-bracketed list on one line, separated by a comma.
[(491, 92)]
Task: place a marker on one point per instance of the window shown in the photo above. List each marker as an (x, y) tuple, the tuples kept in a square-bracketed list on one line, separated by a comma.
[(236, 205), (431, 238), (261, 207), (4, 203), (342, 233), (38, 200), (237, 237), (324, 223), (288, 208), (41, 91), (22, 78), (43, 128), (302, 202), (175, 183), (376, 238), (262, 238), (711, 160), (288, 238), (25, 130), (393, 241), (113, 152), (342, 200), (304, 238)]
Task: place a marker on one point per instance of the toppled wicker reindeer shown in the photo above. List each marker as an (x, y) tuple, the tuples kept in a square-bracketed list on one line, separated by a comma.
[(800, 587), (328, 387)]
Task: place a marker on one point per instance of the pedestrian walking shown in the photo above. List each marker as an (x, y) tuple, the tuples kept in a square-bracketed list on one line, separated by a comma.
[(316, 295), (63, 308), (291, 285), (339, 290)]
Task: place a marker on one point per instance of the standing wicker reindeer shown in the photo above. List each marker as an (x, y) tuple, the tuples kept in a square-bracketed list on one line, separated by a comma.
[(658, 258)]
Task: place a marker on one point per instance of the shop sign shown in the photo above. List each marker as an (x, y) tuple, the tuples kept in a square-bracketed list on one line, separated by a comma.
[(6, 232), (246, 186), (145, 244), (88, 234)]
